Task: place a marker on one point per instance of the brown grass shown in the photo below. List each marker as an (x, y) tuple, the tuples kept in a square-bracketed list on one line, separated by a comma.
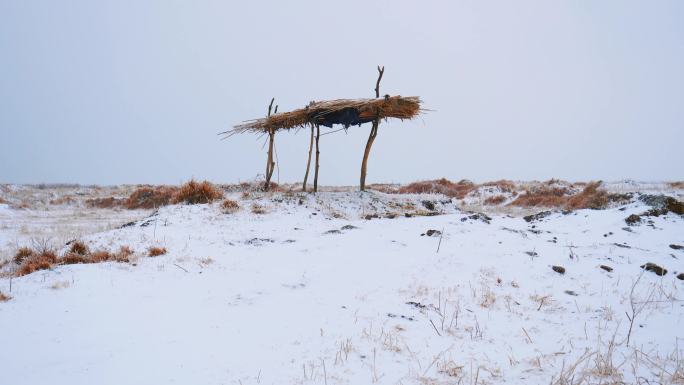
[(105, 203), (43, 260), (65, 200), (591, 197), (229, 206), (4, 297), (151, 197), (194, 192), (124, 253), (503, 185), (101, 256), (78, 247), (676, 185), (21, 254), (440, 186), (73, 259), (543, 196), (258, 209), (156, 251), (495, 200), (2, 201)]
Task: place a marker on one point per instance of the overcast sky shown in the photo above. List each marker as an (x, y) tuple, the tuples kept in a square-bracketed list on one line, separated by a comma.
[(112, 92)]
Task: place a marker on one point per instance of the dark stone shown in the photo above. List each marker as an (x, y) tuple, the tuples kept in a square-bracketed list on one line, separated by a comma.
[(431, 233), (649, 266), (416, 304), (537, 216), (558, 269), (532, 253), (674, 206), (570, 292), (633, 219), (622, 245), (259, 241), (677, 247), (606, 268), (429, 205), (334, 231), (680, 276), (129, 224), (349, 227)]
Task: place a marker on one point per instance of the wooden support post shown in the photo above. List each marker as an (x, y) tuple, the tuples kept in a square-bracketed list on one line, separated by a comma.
[(308, 162), (372, 135), (270, 164), (318, 152)]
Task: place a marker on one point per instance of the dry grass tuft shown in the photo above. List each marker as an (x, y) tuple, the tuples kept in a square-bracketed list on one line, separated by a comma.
[(124, 254), (151, 197), (2, 201), (4, 297), (503, 185), (195, 192), (42, 260), (65, 200), (590, 198), (258, 209), (440, 186), (73, 259), (495, 200), (229, 206), (675, 185), (101, 256), (105, 203), (544, 196), (156, 251), (78, 247), (21, 254)]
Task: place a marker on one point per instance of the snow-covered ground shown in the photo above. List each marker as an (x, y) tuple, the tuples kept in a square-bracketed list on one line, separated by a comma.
[(310, 291)]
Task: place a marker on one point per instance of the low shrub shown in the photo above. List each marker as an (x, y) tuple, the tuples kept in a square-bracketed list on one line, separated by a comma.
[(194, 192), (495, 200), (441, 186), (21, 254), (43, 260), (503, 185), (229, 206), (258, 209), (156, 251), (4, 297), (78, 247), (543, 196), (101, 256), (73, 259), (151, 197), (591, 197), (105, 203)]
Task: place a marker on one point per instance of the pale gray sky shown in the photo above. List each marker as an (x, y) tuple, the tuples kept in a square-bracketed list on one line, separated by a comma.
[(135, 91)]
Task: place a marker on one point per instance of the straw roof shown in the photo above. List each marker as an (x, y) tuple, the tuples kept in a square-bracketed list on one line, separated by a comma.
[(346, 112)]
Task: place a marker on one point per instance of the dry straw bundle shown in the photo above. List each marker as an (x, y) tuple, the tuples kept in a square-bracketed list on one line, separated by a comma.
[(347, 112)]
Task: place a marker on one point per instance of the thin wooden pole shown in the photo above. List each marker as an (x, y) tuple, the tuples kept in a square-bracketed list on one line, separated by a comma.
[(372, 135), (308, 162), (318, 152), (270, 164)]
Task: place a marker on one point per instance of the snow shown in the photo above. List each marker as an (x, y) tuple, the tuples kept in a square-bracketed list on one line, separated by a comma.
[(283, 298)]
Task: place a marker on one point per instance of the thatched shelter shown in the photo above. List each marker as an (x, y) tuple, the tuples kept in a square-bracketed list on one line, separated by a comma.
[(346, 112)]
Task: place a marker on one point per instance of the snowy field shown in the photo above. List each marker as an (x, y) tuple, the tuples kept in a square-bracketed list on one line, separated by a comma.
[(346, 288)]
